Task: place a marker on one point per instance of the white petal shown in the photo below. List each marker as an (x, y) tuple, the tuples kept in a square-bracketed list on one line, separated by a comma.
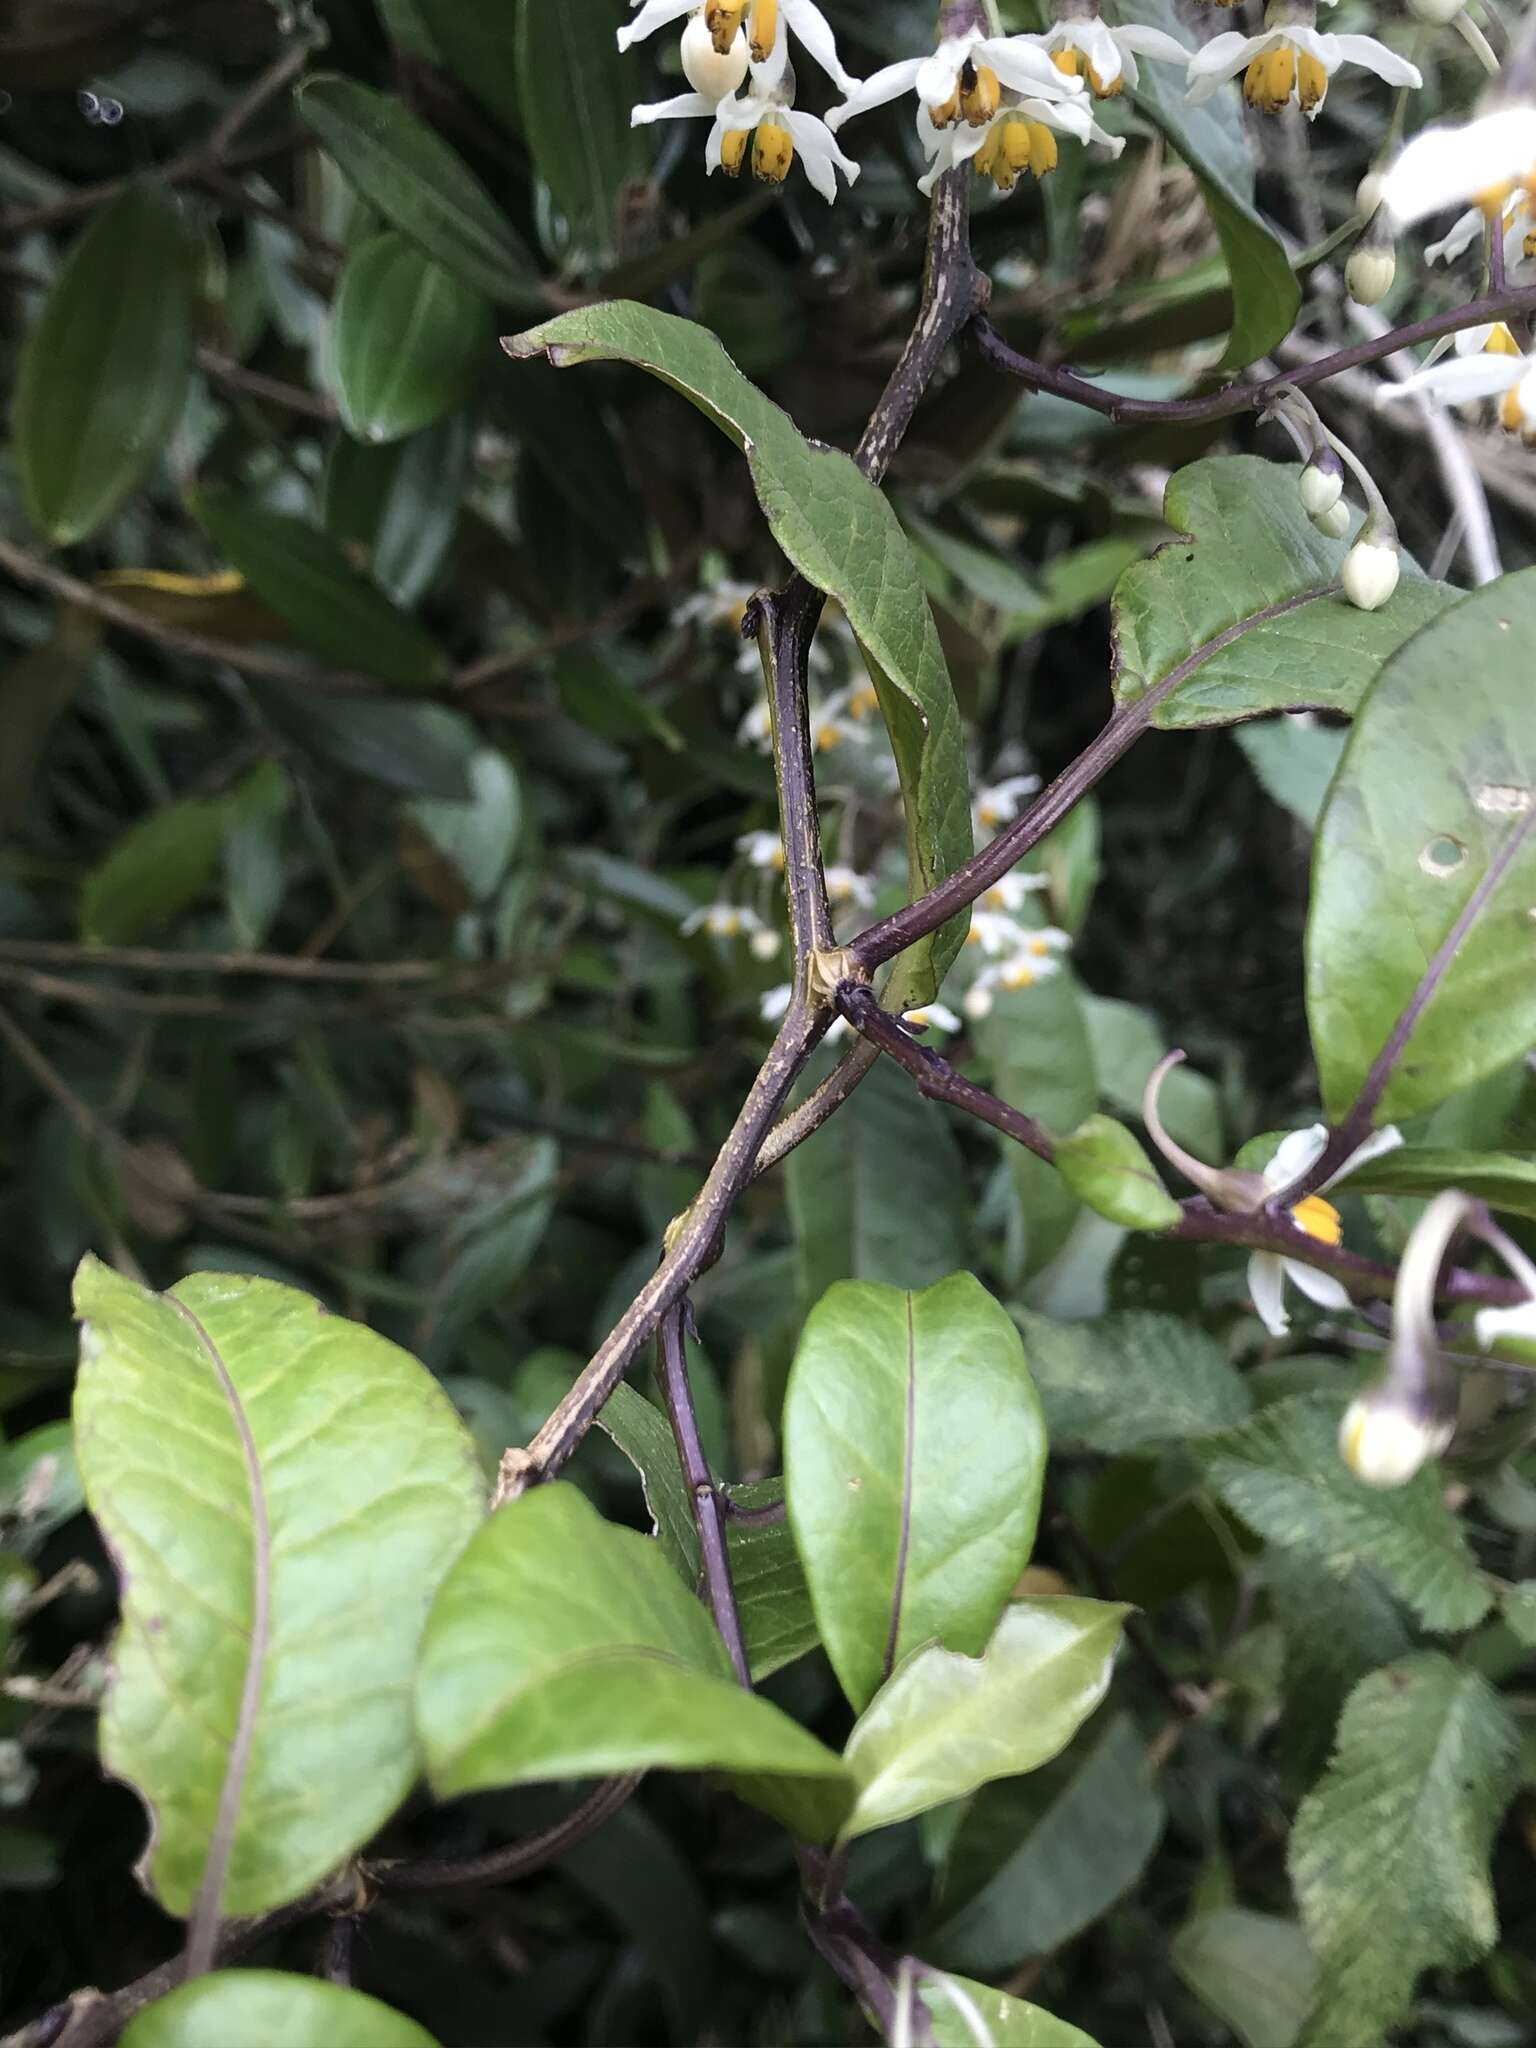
[(1463, 234), (1376, 1146), (1152, 42), (1445, 166), (1266, 1284), (1227, 54), (1322, 1288), (815, 31), (653, 15), (1493, 1323), (688, 106), (1471, 341), (1101, 49), (877, 91), (938, 76), (1463, 378), (1070, 117), (819, 152), (1025, 65), (1295, 1155), (1373, 56)]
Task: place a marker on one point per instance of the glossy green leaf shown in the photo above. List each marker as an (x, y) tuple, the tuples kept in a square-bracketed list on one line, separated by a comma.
[(284, 1491), (841, 534), (1009, 2021), (1128, 1381), (248, 2006), (421, 186), (1429, 843), (914, 1455), (478, 837), (1035, 1051), (1283, 1474), (1389, 1856), (850, 1191), (946, 1723), (103, 372), (478, 44), (564, 1647), (576, 89), (1256, 584), (407, 341), (1105, 1167), (1255, 1971), (156, 871), (307, 580), (1504, 1180), (1266, 294), (397, 506)]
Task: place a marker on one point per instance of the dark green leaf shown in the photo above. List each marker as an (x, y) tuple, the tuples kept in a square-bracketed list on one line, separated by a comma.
[(399, 505), (1105, 1167), (1034, 1043), (576, 92), (478, 45), (156, 871), (249, 2006), (1295, 759), (408, 339), (1504, 1180), (1126, 1382), (1253, 1970)]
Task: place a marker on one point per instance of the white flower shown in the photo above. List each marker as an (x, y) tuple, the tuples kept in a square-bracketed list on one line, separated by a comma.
[(1011, 891), (762, 850), (933, 1017), (1445, 166), (724, 605), (756, 729), (1289, 60), (764, 125), (1370, 573), (1083, 45), (1518, 1323), (1020, 137), (765, 944), (1467, 230), (776, 1002), (1384, 1440), (998, 804), (994, 933), (1321, 487), (963, 80), (831, 722), (763, 25), (1488, 374), (846, 885), (723, 921), (1268, 1271), (1016, 972)]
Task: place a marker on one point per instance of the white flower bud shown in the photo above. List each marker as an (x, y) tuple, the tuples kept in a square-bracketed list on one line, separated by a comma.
[(1369, 273), (709, 73), (1438, 13), (765, 945), (1370, 574), (1321, 489), (977, 1003), (1334, 522), (1384, 1442), (1368, 191)]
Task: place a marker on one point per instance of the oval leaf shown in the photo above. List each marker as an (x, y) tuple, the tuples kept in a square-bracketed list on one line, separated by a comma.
[(946, 1723), (406, 341), (284, 1492), (103, 372), (1426, 854), (841, 534), (563, 1647), (420, 186), (158, 869), (1008, 2021), (304, 576), (268, 2005), (914, 1454), (1104, 1166)]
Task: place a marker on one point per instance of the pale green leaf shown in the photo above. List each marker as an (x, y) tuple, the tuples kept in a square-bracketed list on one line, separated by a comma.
[(284, 1491), (1504, 1180), (946, 1723), (1430, 832), (1389, 1855), (1105, 1167), (1253, 1970), (1518, 1606), (1132, 1380), (1009, 2021), (239, 2008), (914, 1455), (158, 869)]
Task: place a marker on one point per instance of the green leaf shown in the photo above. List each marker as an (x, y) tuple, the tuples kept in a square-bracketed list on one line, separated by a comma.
[(1255, 573), (103, 372), (1126, 1045), (576, 92), (841, 534), (1009, 2022), (1104, 1166), (1505, 1180), (1266, 295), (420, 185), (397, 506), (1018, 1886), (1034, 1043), (563, 1647), (478, 45), (946, 1723), (1282, 1473), (268, 2005), (479, 837), (1335, 1628), (1129, 1381), (407, 339), (1518, 1606), (1294, 759), (1429, 842), (156, 871), (284, 1491), (914, 1455), (850, 1191), (1254, 1970), (1389, 1856), (307, 580)]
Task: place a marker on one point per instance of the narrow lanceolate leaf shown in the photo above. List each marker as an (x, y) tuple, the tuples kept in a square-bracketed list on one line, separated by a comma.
[(1389, 1855), (283, 1491), (1257, 585), (408, 339), (946, 1723), (304, 576), (1282, 1473), (103, 372), (563, 1647), (269, 2005), (914, 1454), (479, 46), (1125, 1382), (1425, 878), (841, 534), (420, 185), (576, 89)]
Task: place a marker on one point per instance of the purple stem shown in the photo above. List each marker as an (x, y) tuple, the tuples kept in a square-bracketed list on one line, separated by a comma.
[(708, 1517)]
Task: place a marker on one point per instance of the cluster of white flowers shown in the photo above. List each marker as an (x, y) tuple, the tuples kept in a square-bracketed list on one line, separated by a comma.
[(997, 101)]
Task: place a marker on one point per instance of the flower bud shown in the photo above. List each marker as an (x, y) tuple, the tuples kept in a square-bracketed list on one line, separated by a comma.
[(713, 74), (1369, 273), (1438, 13), (1368, 193), (977, 1004), (1370, 573), (1334, 522), (1386, 1437), (1322, 483), (765, 945)]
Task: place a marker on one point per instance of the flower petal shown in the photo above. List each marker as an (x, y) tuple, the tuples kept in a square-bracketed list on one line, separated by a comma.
[(1322, 1288), (1152, 42), (1101, 49), (938, 76), (819, 153), (1024, 64), (1373, 56), (1461, 379), (1376, 1146), (815, 31), (1266, 1284), (1227, 54), (688, 106), (653, 15), (1448, 165), (878, 90), (1295, 1155), (1464, 232)]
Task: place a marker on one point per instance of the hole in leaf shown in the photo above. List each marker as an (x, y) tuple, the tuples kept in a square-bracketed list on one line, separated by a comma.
[(1443, 856), (1503, 800)]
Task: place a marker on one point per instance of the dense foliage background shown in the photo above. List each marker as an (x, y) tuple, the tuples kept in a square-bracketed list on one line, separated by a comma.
[(373, 720)]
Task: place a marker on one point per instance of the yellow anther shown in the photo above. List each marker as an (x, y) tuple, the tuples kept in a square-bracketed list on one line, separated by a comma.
[(829, 737), (763, 29), (1494, 198), (1501, 342), (1530, 243), (1511, 412), (1319, 1219), (1100, 90), (1019, 976), (1042, 149), (863, 702), (1312, 81), (1039, 947), (723, 18), (946, 115), (1270, 79), (773, 152), (733, 153), (981, 94), (1068, 60), (992, 159)]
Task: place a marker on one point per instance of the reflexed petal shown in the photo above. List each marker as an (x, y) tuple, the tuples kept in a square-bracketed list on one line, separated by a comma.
[(1373, 56), (653, 15), (1467, 230), (1322, 1288), (1471, 341), (1295, 1155), (1152, 42), (1266, 1284), (1100, 47), (878, 90), (1024, 64), (815, 31), (1222, 58), (938, 76), (688, 106), (1070, 117), (819, 152), (1463, 378), (1376, 1146), (1446, 166)]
